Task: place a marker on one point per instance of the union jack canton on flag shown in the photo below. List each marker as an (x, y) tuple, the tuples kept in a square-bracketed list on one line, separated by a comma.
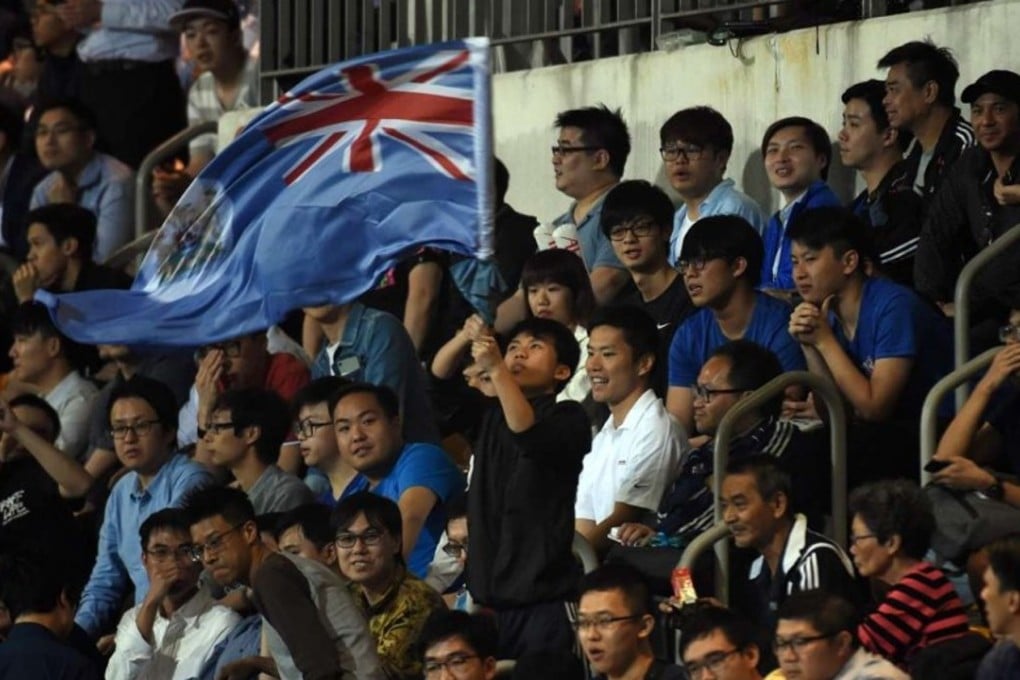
[(329, 187)]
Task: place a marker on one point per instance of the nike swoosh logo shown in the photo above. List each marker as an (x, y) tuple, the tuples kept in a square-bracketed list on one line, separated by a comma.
[(660, 326)]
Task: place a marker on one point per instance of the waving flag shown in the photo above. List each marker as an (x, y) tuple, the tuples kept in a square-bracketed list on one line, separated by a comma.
[(358, 166)]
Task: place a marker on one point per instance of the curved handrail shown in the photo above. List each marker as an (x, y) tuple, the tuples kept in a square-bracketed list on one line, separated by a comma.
[(961, 302), (143, 178), (830, 396), (125, 255), (929, 410)]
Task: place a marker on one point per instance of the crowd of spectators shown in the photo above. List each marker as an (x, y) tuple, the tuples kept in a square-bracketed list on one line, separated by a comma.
[(397, 489)]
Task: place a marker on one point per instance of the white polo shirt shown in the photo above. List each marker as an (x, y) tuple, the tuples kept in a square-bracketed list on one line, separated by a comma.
[(634, 463)]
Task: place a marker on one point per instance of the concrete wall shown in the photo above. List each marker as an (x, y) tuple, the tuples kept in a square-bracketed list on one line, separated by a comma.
[(752, 83)]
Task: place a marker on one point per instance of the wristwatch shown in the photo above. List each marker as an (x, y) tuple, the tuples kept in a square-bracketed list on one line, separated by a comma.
[(995, 491)]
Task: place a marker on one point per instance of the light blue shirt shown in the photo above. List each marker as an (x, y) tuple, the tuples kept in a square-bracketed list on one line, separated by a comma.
[(119, 556), (107, 188), (596, 248), (724, 199), (138, 30)]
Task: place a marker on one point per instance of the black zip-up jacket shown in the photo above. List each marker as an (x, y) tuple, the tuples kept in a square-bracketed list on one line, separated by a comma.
[(956, 137), (895, 214)]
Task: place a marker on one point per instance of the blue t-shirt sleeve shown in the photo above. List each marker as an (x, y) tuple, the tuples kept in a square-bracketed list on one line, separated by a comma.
[(788, 351), (770, 328), (429, 466), (894, 326), (683, 362)]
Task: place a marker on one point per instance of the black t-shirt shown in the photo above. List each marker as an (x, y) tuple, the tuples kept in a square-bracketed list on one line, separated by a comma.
[(33, 516), (671, 308)]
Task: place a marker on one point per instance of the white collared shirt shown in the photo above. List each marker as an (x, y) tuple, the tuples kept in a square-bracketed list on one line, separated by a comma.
[(72, 400), (634, 463), (183, 643)]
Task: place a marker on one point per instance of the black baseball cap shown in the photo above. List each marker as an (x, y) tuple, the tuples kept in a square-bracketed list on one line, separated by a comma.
[(224, 10), (1003, 83)]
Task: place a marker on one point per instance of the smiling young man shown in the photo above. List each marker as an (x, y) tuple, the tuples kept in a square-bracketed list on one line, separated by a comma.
[(639, 450), (696, 146), (614, 622), (888, 204), (311, 624)]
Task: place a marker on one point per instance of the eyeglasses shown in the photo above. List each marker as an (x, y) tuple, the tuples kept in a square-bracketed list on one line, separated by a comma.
[(138, 429), (455, 663), (307, 428), (1009, 332), (690, 152), (797, 644), (213, 545), (705, 393), (712, 662), (230, 349), (216, 428), (695, 264), (600, 623), (561, 150), (369, 537), (454, 549), (855, 539), (639, 229), (163, 553)]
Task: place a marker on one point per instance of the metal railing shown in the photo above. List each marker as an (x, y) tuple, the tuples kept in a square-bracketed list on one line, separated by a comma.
[(830, 396), (929, 410), (961, 303)]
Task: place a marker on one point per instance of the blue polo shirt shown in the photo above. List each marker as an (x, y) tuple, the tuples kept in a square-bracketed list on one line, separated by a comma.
[(419, 465), (596, 248), (700, 335), (895, 322), (724, 199)]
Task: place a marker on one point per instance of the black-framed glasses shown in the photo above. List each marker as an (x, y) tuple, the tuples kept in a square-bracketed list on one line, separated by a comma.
[(456, 663), (705, 393), (600, 623), (230, 349), (369, 537), (454, 549), (138, 429), (854, 540), (711, 662), (695, 264), (307, 428), (639, 228), (561, 150), (213, 545), (689, 152), (164, 553), (1009, 332), (216, 428), (797, 644)]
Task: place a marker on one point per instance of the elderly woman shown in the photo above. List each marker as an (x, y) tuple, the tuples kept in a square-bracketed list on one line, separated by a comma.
[(396, 604), (892, 528)]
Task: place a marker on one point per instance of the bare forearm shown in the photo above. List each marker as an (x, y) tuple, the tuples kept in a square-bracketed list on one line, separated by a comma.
[(960, 434), (517, 410), (447, 359), (74, 481)]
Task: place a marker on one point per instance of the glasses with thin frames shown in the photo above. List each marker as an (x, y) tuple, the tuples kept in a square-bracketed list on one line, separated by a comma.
[(561, 150), (695, 264), (854, 540), (164, 553), (705, 393), (639, 228), (600, 623), (369, 537), (217, 428), (231, 350), (455, 663), (797, 644), (138, 429), (214, 545), (712, 662), (690, 152)]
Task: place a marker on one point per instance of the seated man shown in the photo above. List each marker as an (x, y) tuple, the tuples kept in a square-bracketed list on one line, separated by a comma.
[(316, 439), (731, 373), (757, 507), (458, 643), (636, 216), (244, 434), (234, 364), (527, 462), (696, 147), (1001, 597), (306, 531), (640, 448), (815, 639), (797, 154), (881, 345), (177, 626), (366, 345), (721, 264), (46, 363), (65, 143), (614, 622), (311, 624), (419, 477), (143, 422), (888, 204), (722, 642), (396, 604), (41, 595)]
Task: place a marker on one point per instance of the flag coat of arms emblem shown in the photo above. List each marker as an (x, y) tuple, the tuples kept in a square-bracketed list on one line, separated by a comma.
[(323, 192)]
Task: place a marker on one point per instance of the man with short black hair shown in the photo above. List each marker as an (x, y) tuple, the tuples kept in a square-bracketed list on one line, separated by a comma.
[(316, 440), (245, 431), (888, 204), (614, 622), (1001, 597), (460, 644), (306, 531), (696, 147), (636, 216), (815, 640), (920, 94), (65, 140), (722, 642)]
